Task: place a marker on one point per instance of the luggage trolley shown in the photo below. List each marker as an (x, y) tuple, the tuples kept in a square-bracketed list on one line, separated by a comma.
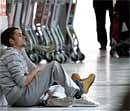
[(15, 15), (27, 27), (23, 17), (22, 12), (41, 22), (38, 25), (47, 22), (73, 43), (39, 48), (58, 37), (48, 13)]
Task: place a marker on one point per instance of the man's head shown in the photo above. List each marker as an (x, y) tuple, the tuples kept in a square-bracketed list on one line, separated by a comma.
[(12, 37)]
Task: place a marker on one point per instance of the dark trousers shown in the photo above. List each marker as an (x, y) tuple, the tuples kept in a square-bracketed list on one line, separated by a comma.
[(100, 8)]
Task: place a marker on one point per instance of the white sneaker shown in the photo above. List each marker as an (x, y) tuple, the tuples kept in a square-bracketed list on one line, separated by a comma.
[(83, 102), (60, 102), (115, 54)]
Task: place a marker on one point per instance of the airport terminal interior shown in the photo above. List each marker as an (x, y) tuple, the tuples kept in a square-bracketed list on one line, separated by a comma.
[(112, 80)]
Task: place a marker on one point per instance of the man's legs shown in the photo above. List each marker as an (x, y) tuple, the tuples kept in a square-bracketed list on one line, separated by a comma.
[(53, 72)]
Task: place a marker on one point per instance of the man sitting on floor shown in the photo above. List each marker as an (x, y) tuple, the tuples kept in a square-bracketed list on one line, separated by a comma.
[(23, 82)]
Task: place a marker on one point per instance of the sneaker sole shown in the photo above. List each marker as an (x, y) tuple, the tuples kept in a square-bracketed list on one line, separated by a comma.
[(60, 102)]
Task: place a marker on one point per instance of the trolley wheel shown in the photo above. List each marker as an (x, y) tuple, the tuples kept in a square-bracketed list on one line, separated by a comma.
[(39, 58), (65, 58), (59, 58), (81, 56), (48, 57), (33, 58), (74, 57)]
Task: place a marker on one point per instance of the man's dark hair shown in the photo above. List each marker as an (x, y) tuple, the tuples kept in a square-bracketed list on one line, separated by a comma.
[(6, 35)]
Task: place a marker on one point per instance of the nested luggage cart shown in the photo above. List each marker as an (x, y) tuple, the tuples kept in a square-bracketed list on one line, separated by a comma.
[(24, 18), (41, 18), (48, 27), (72, 40)]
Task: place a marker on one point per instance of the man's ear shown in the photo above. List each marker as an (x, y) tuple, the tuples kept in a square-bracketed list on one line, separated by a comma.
[(11, 41)]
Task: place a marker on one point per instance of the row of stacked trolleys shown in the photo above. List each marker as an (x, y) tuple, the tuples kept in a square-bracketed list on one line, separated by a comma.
[(48, 28)]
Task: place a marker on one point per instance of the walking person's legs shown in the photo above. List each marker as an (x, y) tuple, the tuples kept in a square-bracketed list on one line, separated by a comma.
[(100, 13), (110, 9)]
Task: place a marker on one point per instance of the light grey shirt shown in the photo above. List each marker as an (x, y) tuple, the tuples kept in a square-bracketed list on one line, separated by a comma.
[(14, 64)]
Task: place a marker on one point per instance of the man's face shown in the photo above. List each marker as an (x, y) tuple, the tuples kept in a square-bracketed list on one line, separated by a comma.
[(18, 39)]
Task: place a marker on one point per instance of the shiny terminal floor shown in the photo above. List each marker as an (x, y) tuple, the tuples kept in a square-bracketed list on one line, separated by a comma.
[(111, 84)]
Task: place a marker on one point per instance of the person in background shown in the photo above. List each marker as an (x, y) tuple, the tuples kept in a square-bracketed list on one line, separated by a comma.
[(121, 29), (100, 8), (23, 82)]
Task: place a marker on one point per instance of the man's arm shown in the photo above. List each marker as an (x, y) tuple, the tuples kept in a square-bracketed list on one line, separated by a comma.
[(31, 75), (18, 69)]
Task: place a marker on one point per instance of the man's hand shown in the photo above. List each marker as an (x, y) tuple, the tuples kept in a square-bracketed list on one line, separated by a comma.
[(31, 75), (40, 67)]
